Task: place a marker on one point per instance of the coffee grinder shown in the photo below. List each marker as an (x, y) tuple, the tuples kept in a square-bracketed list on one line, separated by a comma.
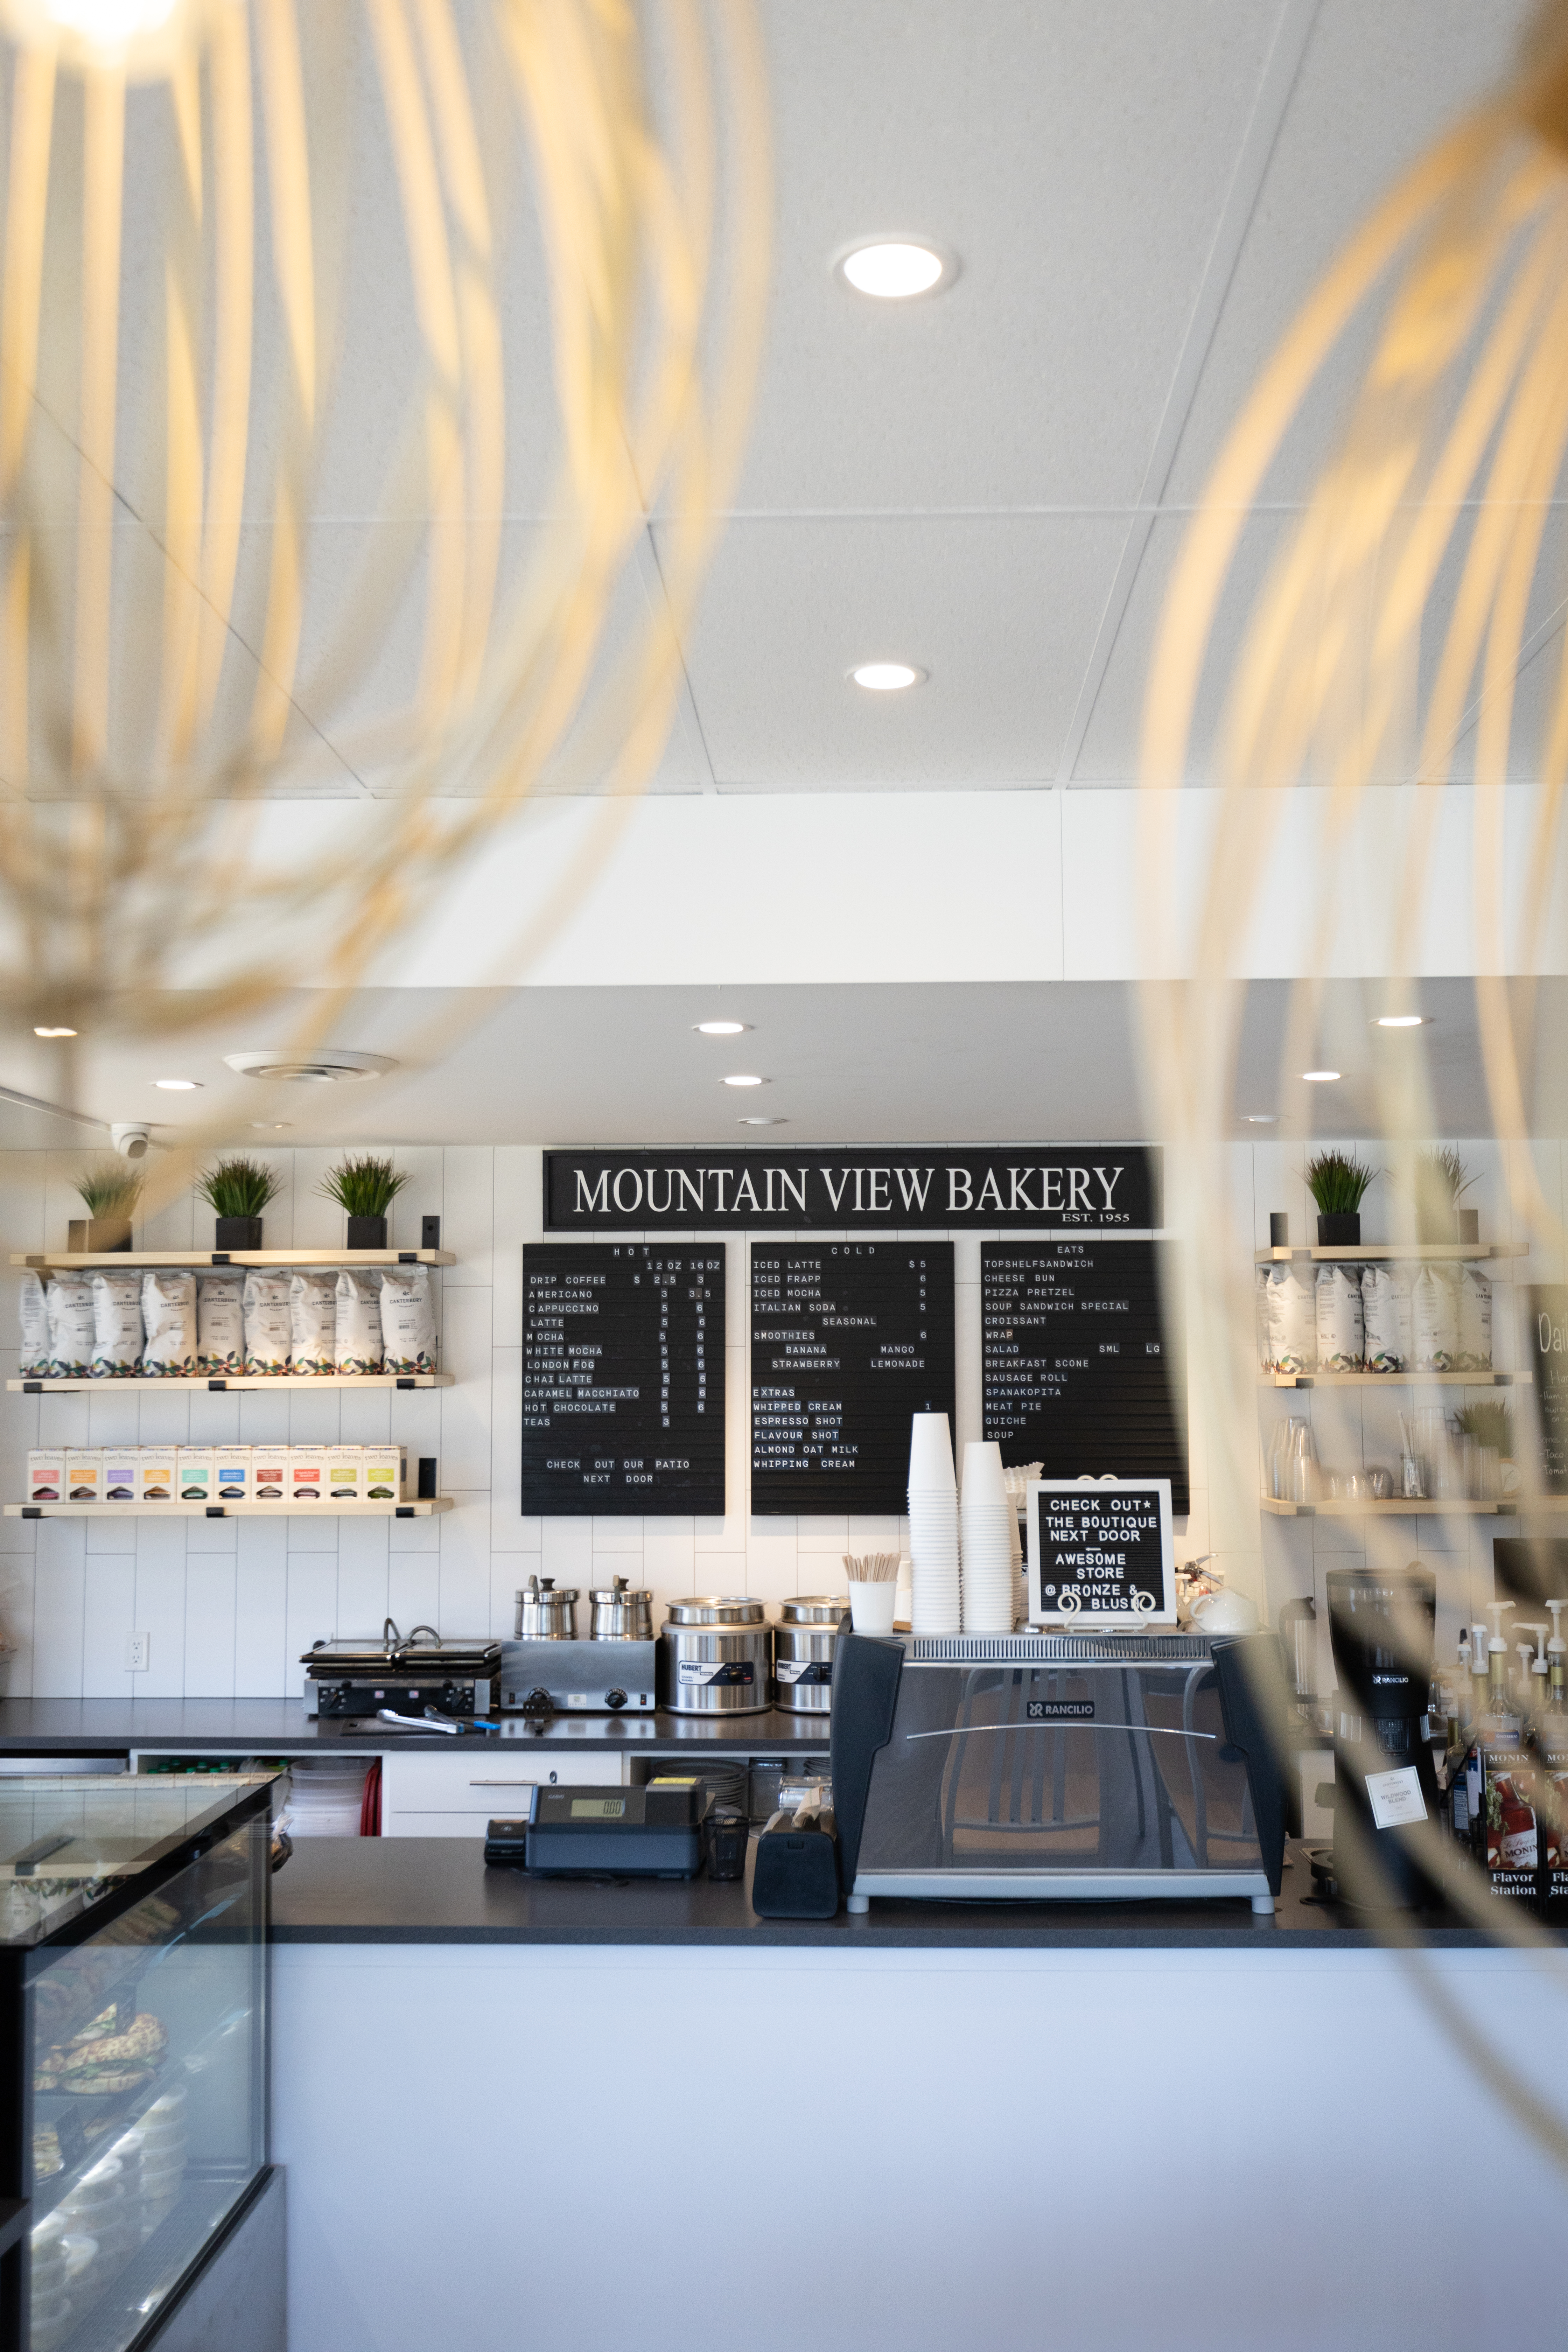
[(1381, 1630)]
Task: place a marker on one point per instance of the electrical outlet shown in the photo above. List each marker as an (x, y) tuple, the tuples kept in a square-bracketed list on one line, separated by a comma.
[(137, 1646)]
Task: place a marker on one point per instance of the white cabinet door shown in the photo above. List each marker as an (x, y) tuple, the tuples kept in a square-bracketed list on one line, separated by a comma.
[(455, 1796)]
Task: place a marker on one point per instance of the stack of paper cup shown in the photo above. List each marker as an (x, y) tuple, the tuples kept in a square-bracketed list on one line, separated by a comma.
[(933, 1528), (989, 1527)]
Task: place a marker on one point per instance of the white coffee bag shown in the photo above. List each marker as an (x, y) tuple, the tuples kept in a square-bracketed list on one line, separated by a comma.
[(268, 1322), (1385, 1317), (70, 1326), (116, 1324), (313, 1321), (1341, 1330), (357, 1343), (1435, 1313), (1475, 1320), (220, 1322), (168, 1312), (407, 1319), (1261, 1313), (34, 1306), (1293, 1322)]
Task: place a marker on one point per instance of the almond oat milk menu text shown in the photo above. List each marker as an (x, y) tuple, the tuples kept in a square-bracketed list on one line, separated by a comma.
[(623, 1379)]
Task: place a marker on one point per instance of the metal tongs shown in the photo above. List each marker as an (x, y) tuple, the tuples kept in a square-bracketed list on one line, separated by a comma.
[(429, 1721)]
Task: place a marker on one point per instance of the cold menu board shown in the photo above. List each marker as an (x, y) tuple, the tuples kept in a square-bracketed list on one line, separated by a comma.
[(1076, 1370), (848, 1339), (623, 1379)]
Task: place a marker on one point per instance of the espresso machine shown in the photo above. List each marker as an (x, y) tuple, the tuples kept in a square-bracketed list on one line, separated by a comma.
[(1381, 1631)]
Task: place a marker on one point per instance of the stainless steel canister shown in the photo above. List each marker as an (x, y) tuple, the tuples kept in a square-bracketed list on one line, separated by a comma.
[(803, 1654), (543, 1614), (619, 1616), (714, 1657)]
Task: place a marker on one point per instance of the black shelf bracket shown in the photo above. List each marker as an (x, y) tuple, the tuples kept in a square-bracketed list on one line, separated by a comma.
[(220, 1258), (399, 1511), (217, 1384)]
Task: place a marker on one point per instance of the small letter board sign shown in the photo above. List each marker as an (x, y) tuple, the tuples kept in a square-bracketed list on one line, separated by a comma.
[(1100, 1553)]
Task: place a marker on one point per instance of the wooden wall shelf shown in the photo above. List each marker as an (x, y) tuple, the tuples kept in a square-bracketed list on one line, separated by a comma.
[(1387, 1380), (1399, 1509), (1403, 1251), (64, 1261), (291, 1513)]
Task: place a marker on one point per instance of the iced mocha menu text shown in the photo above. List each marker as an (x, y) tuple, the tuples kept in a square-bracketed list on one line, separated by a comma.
[(623, 1379)]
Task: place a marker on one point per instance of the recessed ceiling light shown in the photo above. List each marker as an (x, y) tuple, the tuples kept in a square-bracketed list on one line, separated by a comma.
[(1261, 1117), (269, 1125), (886, 677), (894, 269), (762, 1122), (1401, 1020), (54, 1032), (179, 1086), (329, 1066), (743, 1082), (719, 1028), (1318, 1077)]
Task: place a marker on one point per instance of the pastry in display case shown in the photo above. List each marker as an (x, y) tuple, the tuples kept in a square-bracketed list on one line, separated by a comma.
[(133, 1919)]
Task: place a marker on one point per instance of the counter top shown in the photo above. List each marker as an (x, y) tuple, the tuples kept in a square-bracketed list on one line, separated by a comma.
[(438, 1891), (260, 1726)]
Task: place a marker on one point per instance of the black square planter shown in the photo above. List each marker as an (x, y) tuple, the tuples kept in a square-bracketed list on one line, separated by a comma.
[(1340, 1231), (238, 1234), (367, 1233)]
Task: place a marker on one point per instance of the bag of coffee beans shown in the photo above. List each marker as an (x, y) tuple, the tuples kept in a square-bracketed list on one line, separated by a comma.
[(69, 1297), (116, 1325), (220, 1322), (168, 1312), (313, 1321), (407, 1319), (1341, 1330), (1385, 1315), (1475, 1320), (35, 1312), (1293, 1322), (268, 1322), (1435, 1313), (357, 1340)]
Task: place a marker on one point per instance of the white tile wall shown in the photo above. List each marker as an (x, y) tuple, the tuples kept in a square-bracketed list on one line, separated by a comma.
[(229, 1606)]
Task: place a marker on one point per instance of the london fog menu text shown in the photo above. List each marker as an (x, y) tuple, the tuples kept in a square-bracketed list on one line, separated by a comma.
[(623, 1379), (849, 1340), (1079, 1371)]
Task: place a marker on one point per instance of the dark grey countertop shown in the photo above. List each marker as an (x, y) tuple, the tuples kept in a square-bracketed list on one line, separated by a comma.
[(438, 1891), (259, 1726)]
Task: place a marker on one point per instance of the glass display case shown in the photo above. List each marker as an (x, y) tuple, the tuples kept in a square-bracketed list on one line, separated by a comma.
[(133, 1918)]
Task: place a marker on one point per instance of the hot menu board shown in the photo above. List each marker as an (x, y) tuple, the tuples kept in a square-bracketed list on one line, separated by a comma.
[(849, 1339), (1078, 1371), (623, 1379)]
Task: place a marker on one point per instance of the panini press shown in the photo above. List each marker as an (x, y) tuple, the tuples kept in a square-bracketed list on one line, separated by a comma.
[(457, 1679)]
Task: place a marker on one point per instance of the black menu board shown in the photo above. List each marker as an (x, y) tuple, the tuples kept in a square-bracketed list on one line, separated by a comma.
[(849, 1339), (623, 1379), (1078, 1369), (1546, 1333)]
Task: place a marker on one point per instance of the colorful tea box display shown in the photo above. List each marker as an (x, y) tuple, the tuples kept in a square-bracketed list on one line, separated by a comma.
[(156, 1469), (195, 1479), (345, 1474), (386, 1472), (231, 1473), (120, 1469), (84, 1474), (307, 1473), (269, 1474), (47, 1475)]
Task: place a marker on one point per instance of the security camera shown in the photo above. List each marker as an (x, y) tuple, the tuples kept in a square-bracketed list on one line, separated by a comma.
[(131, 1142)]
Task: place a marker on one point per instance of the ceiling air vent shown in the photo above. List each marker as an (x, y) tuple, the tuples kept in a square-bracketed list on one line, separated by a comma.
[(333, 1065)]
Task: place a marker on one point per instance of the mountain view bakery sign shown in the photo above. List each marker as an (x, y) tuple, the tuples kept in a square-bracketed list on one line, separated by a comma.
[(1072, 1188)]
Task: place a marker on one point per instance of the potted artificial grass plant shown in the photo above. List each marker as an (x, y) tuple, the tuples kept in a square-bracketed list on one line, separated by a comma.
[(1441, 1179), (1337, 1183), (109, 1194), (365, 1186), (238, 1191)]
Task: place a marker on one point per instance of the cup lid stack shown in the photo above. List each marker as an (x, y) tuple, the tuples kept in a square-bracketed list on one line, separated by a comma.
[(989, 1523), (936, 1607)]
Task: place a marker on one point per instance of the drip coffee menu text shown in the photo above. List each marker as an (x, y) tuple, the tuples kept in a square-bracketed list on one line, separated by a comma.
[(1078, 1369), (849, 1339), (623, 1379)]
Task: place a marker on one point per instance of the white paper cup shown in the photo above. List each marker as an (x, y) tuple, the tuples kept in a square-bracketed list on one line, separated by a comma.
[(984, 1480), (871, 1606), (931, 1451)]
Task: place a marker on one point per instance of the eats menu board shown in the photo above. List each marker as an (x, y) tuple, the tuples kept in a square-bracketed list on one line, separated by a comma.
[(1078, 1369), (623, 1379), (848, 1339)]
